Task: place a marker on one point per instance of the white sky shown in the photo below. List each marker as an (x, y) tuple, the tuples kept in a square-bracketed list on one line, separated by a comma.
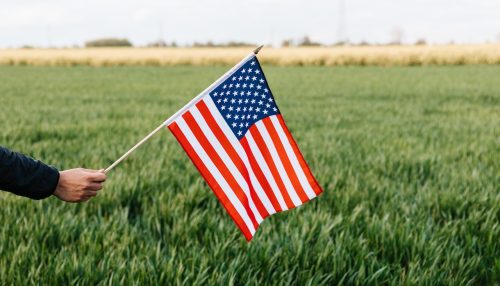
[(65, 23)]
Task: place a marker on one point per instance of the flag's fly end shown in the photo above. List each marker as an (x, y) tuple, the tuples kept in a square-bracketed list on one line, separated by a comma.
[(256, 51)]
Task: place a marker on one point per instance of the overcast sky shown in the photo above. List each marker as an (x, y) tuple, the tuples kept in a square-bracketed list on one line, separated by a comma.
[(65, 23)]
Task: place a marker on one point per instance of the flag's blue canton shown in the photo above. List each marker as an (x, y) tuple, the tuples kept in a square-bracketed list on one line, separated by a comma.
[(244, 98)]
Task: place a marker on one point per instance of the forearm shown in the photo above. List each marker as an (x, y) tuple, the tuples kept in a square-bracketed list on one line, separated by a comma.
[(25, 176)]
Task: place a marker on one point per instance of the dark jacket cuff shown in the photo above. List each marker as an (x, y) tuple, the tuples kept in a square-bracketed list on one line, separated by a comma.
[(49, 181)]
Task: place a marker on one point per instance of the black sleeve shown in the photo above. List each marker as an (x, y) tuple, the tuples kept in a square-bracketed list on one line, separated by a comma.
[(25, 176)]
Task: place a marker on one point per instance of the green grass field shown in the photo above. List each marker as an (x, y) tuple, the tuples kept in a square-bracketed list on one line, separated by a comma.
[(409, 158)]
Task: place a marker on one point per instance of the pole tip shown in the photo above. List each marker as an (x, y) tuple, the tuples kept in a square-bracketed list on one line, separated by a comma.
[(256, 51)]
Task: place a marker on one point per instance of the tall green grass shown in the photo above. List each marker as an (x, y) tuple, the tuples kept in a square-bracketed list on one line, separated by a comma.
[(408, 157)]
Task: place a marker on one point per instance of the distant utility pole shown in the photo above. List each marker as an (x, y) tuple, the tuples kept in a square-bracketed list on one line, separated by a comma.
[(397, 36), (160, 32), (271, 37), (49, 37), (341, 37)]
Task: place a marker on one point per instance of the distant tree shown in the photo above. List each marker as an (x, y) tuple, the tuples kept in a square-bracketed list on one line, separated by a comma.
[(421, 42), (108, 42), (239, 44), (228, 44), (157, 44), (202, 45), (307, 42), (343, 43), (287, 43)]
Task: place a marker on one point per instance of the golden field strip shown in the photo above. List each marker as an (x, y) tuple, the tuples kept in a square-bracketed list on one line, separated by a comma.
[(317, 56)]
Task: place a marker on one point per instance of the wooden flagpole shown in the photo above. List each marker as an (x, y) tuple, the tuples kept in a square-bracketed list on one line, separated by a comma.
[(182, 110)]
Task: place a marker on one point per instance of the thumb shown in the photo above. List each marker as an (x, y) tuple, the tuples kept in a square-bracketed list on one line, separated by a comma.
[(98, 176)]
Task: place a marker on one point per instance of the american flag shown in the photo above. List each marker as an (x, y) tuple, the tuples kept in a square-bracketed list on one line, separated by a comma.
[(236, 137)]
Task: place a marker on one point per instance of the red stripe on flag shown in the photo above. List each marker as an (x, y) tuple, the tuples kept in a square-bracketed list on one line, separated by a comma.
[(312, 181), (224, 170), (284, 159), (260, 175), (228, 147), (231, 210), (262, 145)]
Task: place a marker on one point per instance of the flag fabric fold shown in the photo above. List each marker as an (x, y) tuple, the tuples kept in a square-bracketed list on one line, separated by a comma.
[(237, 139)]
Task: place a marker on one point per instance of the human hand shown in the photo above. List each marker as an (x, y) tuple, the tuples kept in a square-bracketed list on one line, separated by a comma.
[(79, 185)]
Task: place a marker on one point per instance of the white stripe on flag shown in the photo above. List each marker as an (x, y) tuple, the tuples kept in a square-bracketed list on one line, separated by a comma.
[(265, 169), (293, 159), (215, 172), (277, 162), (241, 152), (226, 159)]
